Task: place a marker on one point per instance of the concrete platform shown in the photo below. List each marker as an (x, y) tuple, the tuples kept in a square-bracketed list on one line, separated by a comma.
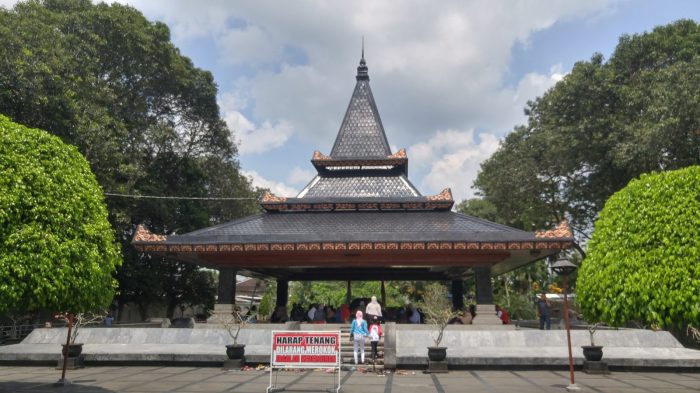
[(468, 348), (622, 349)]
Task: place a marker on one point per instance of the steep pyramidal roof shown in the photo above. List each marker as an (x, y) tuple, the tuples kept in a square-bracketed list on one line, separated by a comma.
[(361, 134), (361, 164)]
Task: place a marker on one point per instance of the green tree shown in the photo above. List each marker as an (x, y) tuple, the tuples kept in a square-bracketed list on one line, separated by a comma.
[(512, 290), (334, 292), (480, 208), (604, 124), (57, 248), (642, 263), (105, 79)]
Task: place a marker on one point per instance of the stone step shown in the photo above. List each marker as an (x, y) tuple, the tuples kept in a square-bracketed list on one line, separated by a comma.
[(351, 359), (349, 364), (349, 349)]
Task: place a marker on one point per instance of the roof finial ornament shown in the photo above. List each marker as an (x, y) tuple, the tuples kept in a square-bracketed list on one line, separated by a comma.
[(363, 50), (362, 68)]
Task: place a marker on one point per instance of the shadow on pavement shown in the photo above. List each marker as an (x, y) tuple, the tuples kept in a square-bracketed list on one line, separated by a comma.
[(38, 387)]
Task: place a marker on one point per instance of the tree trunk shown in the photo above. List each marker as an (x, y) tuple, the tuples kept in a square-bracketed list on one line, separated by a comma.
[(143, 311), (120, 310), (170, 310)]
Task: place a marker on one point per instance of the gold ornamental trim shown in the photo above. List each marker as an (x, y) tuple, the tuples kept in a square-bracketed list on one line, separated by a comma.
[(144, 235), (269, 197), (561, 230), (318, 156), (444, 195), (399, 154), (363, 246)]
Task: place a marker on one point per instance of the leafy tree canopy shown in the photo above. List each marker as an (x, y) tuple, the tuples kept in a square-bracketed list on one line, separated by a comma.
[(642, 262), (334, 292), (57, 248), (480, 208), (604, 124), (105, 79)]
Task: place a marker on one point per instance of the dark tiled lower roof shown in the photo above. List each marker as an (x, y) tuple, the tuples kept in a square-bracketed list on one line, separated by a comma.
[(360, 187), (355, 226)]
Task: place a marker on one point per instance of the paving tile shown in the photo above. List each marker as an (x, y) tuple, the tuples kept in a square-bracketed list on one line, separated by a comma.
[(188, 379)]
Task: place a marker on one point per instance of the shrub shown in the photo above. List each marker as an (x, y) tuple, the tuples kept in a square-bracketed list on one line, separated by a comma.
[(643, 260)]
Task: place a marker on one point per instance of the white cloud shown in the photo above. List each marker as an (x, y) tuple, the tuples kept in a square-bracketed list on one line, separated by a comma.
[(534, 84), (453, 159), (252, 139), (277, 188), (438, 72), (251, 45), (299, 176), (445, 74)]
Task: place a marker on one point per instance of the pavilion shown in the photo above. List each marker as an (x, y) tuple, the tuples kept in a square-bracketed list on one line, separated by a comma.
[(360, 218)]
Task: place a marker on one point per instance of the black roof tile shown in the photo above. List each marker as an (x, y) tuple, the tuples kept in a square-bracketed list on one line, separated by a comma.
[(360, 187), (355, 226), (361, 134)]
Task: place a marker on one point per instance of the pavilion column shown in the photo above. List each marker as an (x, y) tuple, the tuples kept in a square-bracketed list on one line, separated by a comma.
[(485, 309), (282, 293), (227, 286), (348, 294), (383, 291), (457, 294), (226, 299)]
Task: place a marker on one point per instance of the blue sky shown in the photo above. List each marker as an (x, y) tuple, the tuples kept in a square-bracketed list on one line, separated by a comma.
[(450, 78)]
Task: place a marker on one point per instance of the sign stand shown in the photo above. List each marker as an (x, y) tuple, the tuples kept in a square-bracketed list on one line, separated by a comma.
[(304, 349)]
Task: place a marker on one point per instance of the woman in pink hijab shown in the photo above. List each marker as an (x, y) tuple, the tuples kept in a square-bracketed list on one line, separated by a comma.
[(358, 332)]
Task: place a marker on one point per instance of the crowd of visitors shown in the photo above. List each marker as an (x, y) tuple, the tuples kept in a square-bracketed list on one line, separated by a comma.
[(322, 313), (373, 310)]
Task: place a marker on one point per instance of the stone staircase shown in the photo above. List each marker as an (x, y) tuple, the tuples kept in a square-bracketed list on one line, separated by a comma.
[(348, 361)]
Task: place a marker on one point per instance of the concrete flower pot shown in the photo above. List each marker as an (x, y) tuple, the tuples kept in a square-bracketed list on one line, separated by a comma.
[(74, 350), (235, 351), (593, 353), (437, 354)]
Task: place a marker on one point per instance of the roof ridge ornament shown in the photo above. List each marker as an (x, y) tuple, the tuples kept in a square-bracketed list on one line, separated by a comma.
[(399, 154), (363, 48), (561, 230), (318, 156), (270, 197), (444, 195), (144, 235), (362, 70)]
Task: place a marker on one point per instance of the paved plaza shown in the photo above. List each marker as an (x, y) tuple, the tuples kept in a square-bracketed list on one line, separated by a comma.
[(209, 379)]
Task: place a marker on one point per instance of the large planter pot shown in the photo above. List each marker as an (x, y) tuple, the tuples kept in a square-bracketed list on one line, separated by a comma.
[(437, 354), (235, 351), (74, 350), (592, 353)]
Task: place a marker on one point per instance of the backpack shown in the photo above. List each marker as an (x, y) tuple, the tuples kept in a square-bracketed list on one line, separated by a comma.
[(374, 333)]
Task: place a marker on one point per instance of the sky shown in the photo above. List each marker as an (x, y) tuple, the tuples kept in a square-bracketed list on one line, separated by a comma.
[(450, 78)]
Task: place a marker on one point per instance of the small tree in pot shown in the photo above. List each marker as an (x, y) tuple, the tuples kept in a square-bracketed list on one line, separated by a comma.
[(593, 353), (77, 322), (233, 327), (438, 312)]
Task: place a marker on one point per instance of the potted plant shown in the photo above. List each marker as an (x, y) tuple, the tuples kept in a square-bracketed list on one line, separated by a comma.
[(593, 353), (438, 312), (77, 321), (233, 327)]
